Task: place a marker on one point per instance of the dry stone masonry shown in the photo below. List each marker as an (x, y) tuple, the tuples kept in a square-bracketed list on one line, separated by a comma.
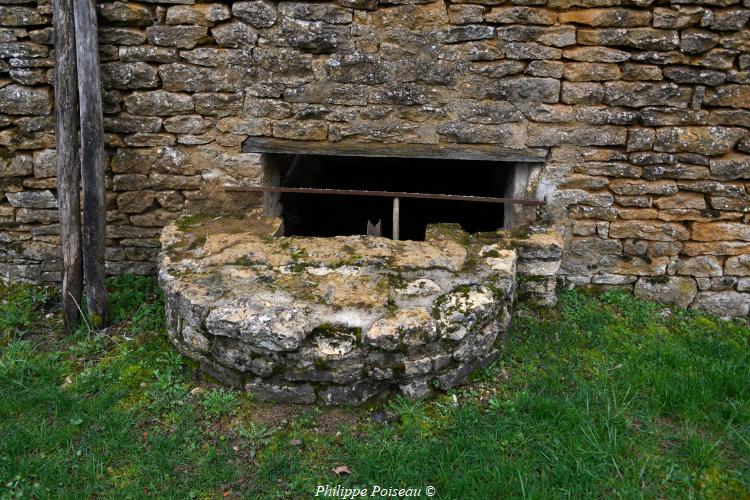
[(337, 320), (639, 111)]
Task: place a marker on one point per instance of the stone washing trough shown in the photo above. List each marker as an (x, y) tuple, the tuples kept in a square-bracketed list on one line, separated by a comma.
[(338, 320)]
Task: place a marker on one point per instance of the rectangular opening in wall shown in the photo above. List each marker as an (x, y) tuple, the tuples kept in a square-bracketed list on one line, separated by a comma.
[(337, 215)]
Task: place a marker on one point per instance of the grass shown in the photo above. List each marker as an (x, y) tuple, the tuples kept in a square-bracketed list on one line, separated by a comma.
[(602, 396)]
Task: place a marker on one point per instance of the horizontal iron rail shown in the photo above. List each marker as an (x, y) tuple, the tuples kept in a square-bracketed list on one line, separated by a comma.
[(388, 194)]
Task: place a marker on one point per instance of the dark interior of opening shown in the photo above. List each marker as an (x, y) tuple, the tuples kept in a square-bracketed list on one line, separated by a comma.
[(329, 215)]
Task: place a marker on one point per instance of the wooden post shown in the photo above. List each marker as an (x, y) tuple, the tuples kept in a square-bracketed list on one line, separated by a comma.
[(92, 160), (396, 217), (68, 169)]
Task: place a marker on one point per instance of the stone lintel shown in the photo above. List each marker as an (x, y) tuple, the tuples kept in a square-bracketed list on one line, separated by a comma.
[(441, 151)]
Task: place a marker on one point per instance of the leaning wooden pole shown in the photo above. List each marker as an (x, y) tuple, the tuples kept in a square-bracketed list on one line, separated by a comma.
[(92, 160), (68, 169)]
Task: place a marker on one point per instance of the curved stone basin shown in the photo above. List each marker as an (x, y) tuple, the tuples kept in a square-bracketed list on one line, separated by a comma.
[(337, 320)]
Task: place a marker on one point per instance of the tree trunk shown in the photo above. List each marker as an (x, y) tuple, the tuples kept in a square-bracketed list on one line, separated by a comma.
[(68, 169), (92, 160)]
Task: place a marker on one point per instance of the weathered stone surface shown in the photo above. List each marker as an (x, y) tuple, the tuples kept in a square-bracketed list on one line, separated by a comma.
[(281, 392), (259, 13), (620, 18), (522, 89), (658, 117), (634, 187), (733, 96), (184, 37), (667, 289), (681, 200), (730, 19), (582, 93), (136, 75), (637, 94), (596, 54), (634, 266), (648, 230), (185, 124), (32, 199), (530, 50), (554, 36), (465, 13), (146, 53), (703, 266), (135, 201), (553, 69), (217, 104), (234, 34), (326, 13), (405, 328), (723, 304), (716, 248), (703, 140), (465, 33), (28, 215), (125, 13), (11, 15), (730, 117), (719, 231), (677, 18), (639, 38), (200, 15), (521, 15), (591, 72), (640, 72), (158, 103), (44, 163), (314, 36), (126, 124), (549, 135), (738, 265), (684, 74), (22, 100), (186, 78), (731, 166), (697, 41)]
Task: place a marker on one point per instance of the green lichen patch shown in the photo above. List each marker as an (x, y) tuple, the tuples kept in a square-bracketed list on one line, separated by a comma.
[(186, 222)]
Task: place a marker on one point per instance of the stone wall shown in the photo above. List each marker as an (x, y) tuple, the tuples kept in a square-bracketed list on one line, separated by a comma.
[(640, 107)]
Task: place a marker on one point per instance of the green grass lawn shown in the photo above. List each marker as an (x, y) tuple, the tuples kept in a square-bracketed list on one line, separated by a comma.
[(602, 396)]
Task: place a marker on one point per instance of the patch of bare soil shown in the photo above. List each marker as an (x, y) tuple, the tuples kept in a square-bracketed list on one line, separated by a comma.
[(331, 420), (272, 415)]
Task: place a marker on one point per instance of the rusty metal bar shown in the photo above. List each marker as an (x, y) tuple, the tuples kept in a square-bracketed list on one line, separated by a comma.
[(387, 194)]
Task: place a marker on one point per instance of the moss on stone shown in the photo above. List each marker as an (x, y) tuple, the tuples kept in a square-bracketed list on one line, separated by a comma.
[(197, 242), (185, 222)]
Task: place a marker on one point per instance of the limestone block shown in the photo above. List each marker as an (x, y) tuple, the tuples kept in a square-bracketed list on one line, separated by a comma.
[(667, 289), (135, 75), (720, 231), (261, 13), (463, 311), (738, 265), (23, 100), (406, 327), (702, 266), (723, 304), (648, 230), (703, 140)]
